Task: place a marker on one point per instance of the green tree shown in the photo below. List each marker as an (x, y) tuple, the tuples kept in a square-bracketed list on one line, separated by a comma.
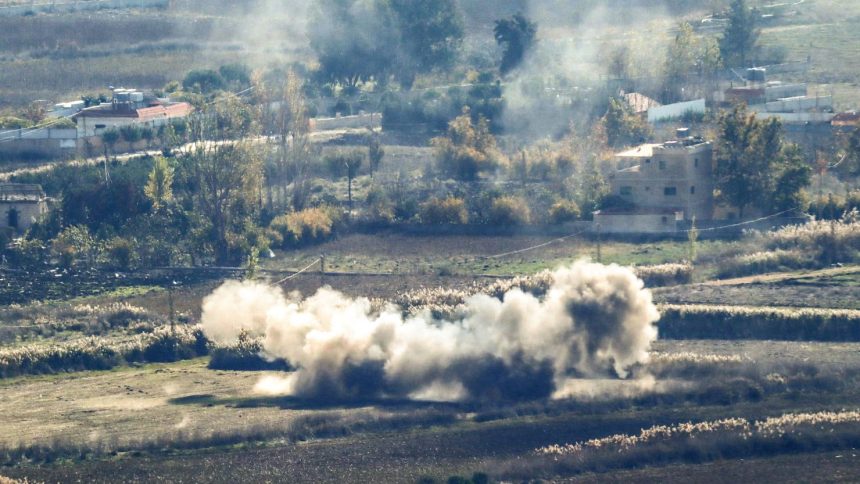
[(468, 150), (222, 173), (754, 167), (159, 185), (203, 81), (738, 42), (517, 35), (430, 34), (623, 126), (353, 40)]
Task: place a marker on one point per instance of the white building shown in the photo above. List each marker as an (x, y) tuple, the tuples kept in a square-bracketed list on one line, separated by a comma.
[(128, 107), (21, 205)]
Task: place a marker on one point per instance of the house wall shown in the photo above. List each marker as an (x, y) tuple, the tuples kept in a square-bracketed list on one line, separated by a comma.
[(28, 212), (38, 143), (675, 111), (686, 169), (635, 223), (95, 126), (369, 120)]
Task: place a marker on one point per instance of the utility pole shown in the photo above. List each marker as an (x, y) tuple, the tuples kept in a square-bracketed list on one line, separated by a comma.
[(170, 306), (599, 254)]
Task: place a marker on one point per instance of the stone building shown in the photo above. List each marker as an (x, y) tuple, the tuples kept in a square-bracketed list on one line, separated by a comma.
[(21, 205), (661, 184)]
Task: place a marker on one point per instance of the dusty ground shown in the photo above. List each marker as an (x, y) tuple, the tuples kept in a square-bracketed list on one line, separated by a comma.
[(157, 401)]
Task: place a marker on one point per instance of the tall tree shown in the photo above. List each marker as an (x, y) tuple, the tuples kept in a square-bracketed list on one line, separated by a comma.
[(430, 34), (517, 35), (738, 42), (754, 167), (849, 159), (346, 164), (223, 171), (159, 185), (353, 40)]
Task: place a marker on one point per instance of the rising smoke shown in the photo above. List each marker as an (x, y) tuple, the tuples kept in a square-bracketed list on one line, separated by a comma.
[(594, 322)]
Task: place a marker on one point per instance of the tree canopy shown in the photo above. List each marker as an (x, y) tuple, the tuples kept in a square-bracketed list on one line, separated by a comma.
[(517, 34), (738, 42), (754, 167)]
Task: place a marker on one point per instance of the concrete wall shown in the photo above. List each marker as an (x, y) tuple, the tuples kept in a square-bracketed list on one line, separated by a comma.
[(38, 143), (28, 212), (65, 6), (794, 118), (635, 223), (774, 93), (370, 120), (800, 104), (675, 111)]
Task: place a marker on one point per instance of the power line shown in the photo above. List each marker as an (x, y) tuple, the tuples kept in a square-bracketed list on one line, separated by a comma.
[(293, 276)]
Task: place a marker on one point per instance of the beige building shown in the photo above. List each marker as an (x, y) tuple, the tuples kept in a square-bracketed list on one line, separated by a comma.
[(21, 205), (663, 183), (128, 107)]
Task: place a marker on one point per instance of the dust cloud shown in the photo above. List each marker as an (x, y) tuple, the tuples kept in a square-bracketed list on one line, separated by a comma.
[(595, 322)]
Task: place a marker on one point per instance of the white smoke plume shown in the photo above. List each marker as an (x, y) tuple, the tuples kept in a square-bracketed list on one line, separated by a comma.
[(595, 321)]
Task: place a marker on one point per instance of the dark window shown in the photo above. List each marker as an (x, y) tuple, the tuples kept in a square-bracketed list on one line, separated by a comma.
[(101, 126), (670, 191), (13, 218), (626, 191), (696, 163), (693, 190), (648, 160), (647, 189), (662, 164), (665, 219)]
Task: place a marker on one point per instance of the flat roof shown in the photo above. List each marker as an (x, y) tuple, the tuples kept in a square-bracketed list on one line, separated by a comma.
[(641, 151)]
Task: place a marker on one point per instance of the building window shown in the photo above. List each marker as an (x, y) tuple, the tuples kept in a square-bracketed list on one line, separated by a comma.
[(696, 162), (662, 164), (626, 191), (693, 190), (648, 160), (101, 126), (647, 189), (664, 219), (670, 191)]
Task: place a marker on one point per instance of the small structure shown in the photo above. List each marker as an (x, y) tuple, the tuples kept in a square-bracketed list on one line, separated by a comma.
[(21, 205), (128, 107), (663, 184), (640, 103)]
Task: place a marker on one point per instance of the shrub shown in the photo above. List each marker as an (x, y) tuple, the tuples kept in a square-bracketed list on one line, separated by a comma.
[(121, 252), (439, 211), (509, 210), (563, 211), (665, 274), (305, 226), (245, 355), (95, 353), (747, 322), (765, 261), (830, 241)]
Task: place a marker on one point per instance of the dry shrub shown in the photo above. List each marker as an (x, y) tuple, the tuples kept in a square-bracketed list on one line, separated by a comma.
[(96, 353), (509, 210), (831, 241), (305, 226), (564, 211), (698, 321), (765, 261), (665, 274), (444, 211), (694, 442)]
